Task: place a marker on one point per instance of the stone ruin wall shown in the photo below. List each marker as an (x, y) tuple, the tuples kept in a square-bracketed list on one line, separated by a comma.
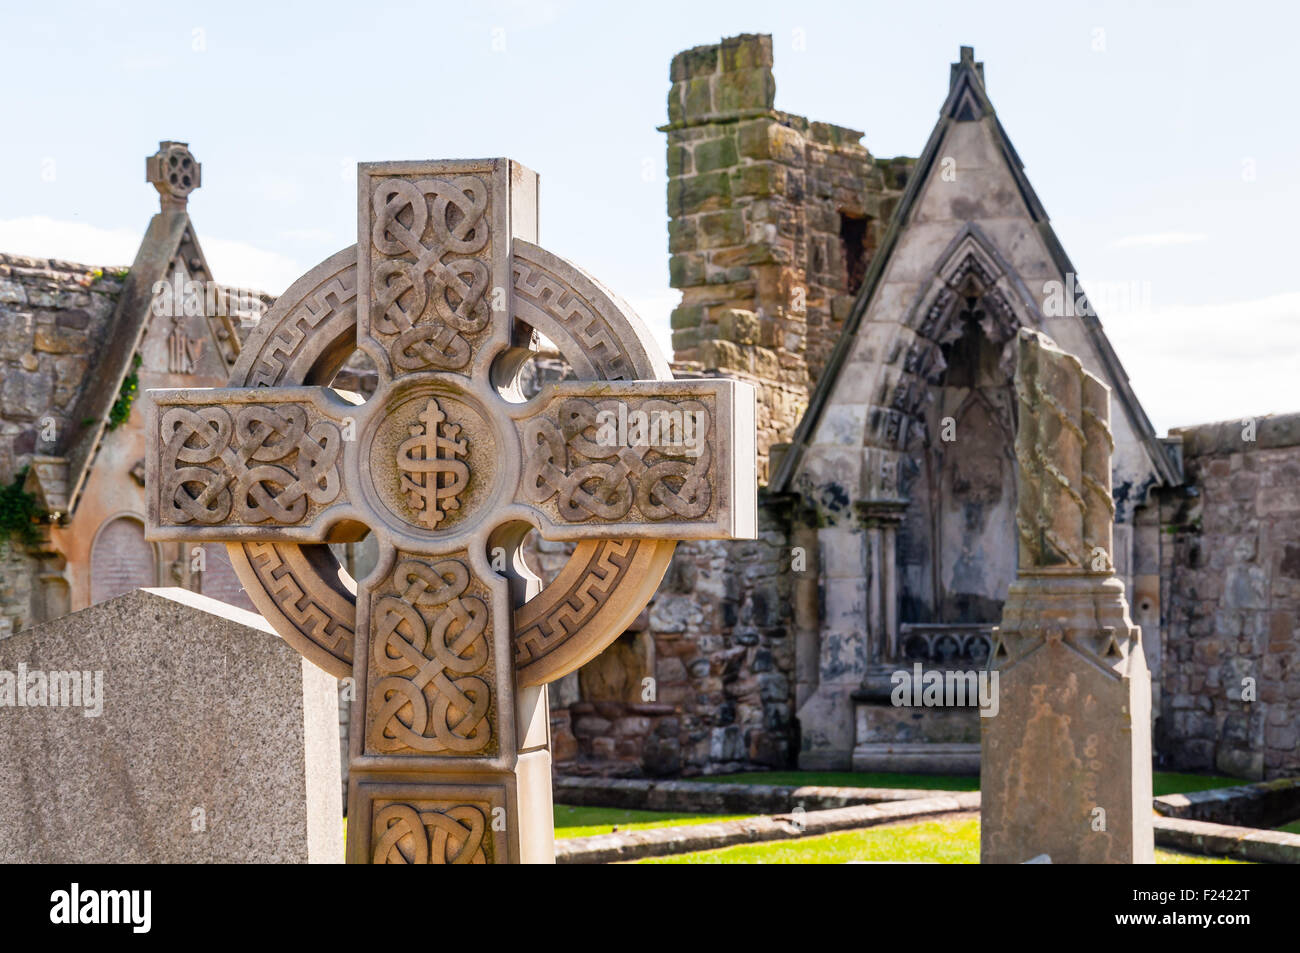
[(773, 222), (758, 201), (1231, 582), (722, 660), (53, 319)]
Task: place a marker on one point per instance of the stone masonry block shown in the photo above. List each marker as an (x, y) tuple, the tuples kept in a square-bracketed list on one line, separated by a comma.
[(698, 193), (715, 154)]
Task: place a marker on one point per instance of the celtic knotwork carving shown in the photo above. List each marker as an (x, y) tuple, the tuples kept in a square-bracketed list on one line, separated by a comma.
[(306, 336), (405, 834), (598, 459), (441, 720), (431, 476), (430, 640), (259, 464), (428, 290)]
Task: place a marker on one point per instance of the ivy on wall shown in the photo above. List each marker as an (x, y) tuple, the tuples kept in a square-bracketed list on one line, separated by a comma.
[(19, 512), (121, 408)]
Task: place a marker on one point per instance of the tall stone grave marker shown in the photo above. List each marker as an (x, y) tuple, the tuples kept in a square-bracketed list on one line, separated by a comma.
[(1066, 763), (449, 468), (163, 726)]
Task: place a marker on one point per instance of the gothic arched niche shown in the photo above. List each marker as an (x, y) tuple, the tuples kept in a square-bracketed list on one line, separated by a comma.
[(957, 540), (120, 559), (972, 474)]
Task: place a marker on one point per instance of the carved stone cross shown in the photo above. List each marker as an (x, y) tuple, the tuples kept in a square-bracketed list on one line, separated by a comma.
[(449, 639)]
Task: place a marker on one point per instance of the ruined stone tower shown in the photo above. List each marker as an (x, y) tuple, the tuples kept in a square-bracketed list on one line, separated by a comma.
[(774, 221)]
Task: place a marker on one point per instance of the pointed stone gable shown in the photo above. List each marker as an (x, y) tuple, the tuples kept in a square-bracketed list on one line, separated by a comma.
[(905, 460), (179, 336), (968, 220)]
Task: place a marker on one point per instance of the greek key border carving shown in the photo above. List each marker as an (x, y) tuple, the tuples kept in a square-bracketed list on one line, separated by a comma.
[(606, 564)]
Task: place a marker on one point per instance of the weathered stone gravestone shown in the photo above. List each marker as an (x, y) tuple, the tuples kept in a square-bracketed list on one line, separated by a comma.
[(1066, 762), (449, 468), (166, 727)]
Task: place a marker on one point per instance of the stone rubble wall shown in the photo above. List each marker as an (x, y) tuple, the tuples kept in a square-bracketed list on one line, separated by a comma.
[(725, 655), (1263, 805), (757, 200), (54, 316), (17, 577), (53, 319), (723, 669), (1232, 576)]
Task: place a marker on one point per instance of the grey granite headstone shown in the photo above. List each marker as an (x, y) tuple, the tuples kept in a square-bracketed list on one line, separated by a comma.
[(166, 727)]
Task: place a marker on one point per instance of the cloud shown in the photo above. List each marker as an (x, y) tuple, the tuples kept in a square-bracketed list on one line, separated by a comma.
[(245, 266), (232, 262), (1197, 363), (40, 237), (1159, 239)]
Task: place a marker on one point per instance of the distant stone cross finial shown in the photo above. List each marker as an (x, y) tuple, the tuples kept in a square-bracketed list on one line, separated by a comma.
[(174, 172), (448, 468)]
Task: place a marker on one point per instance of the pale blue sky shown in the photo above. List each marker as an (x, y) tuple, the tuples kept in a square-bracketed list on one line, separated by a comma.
[(1164, 146)]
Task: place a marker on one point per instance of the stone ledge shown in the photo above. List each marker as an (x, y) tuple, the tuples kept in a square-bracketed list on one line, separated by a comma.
[(1239, 843), (1225, 437), (1265, 804), (708, 797), (916, 758), (661, 841)]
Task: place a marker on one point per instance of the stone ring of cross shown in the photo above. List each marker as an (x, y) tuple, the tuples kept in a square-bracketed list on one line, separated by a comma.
[(450, 639)]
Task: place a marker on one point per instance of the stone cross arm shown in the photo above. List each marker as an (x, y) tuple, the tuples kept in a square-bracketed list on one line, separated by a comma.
[(450, 645), (580, 461)]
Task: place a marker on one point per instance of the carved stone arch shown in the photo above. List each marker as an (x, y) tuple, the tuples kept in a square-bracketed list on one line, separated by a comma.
[(969, 268), (302, 589), (137, 561)]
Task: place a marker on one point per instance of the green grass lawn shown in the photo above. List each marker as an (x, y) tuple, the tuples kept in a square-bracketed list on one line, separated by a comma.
[(935, 842), (1163, 782), (586, 821), (1292, 828)]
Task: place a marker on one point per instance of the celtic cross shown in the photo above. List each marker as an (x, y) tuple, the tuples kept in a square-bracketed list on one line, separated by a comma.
[(450, 639)]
